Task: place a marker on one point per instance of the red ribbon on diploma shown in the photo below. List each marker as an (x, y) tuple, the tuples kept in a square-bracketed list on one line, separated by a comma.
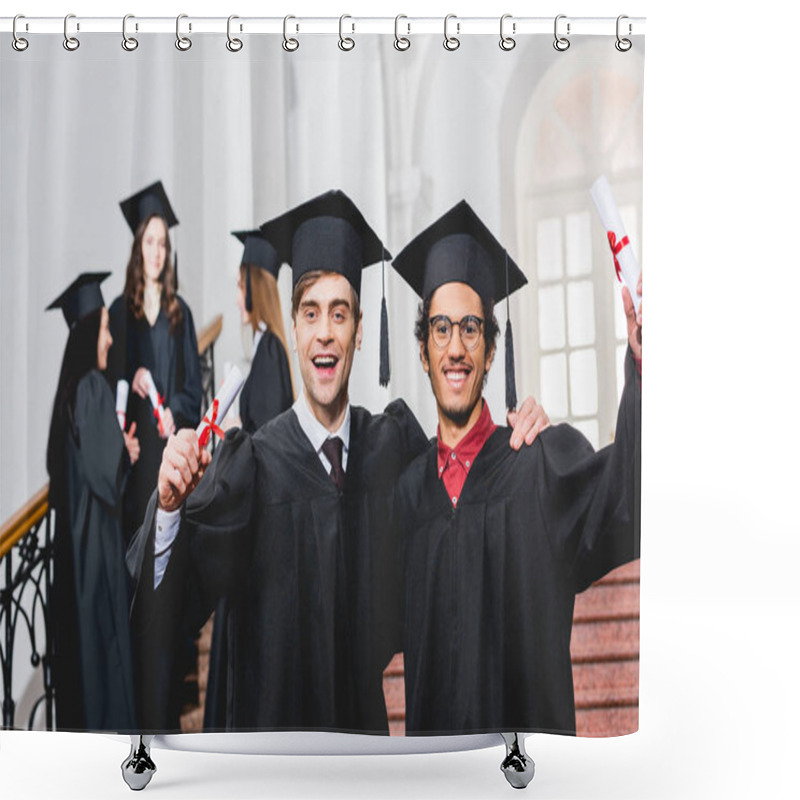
[(157, 415), (212, 425), (616, 247)]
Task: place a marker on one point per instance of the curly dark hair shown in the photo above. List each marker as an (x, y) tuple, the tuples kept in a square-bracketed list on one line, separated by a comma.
[(490, 327)]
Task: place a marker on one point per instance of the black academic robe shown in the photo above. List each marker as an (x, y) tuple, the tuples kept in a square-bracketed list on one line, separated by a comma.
[(491, 584), (93, 669), (310, 573), (266, 393), (174, 363)]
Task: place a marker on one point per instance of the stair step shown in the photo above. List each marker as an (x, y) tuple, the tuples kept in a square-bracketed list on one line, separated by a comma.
[(605, 675), (627, 573), (605, 641), (607, 601), (607, 721)]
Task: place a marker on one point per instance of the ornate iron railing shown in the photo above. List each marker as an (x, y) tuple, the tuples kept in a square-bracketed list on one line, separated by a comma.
[(27, 558), (26, 568)]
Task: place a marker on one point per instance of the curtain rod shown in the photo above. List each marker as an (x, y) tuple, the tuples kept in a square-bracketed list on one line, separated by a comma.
[(348, 25)]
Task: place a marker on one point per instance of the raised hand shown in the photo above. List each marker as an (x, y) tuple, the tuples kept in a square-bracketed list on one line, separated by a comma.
[(634, 320), (182, 466)]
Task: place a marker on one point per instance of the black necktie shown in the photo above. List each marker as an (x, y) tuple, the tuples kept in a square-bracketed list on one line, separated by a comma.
[(332, 448)]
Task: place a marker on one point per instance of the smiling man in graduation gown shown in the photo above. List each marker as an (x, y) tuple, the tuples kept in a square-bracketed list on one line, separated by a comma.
[(498, 542), (288, 522)]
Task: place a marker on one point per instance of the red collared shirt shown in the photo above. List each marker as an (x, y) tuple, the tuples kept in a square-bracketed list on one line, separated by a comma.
[(455, 463)]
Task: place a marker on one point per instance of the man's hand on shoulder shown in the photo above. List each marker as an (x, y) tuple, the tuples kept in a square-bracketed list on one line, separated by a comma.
[(527, 423)]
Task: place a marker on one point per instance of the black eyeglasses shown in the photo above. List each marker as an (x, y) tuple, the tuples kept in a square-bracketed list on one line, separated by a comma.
[(469, 329)]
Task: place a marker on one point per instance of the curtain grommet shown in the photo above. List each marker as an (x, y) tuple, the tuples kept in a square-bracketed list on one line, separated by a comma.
[(233, 44), (346, 43), (507, 43), (289, 44), (183, 43), (19, 43), (70, 43), (401, 43), (129, 43), (561, 43), (451, 43)]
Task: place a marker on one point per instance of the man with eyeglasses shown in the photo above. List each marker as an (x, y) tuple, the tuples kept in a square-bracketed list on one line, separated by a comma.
[(497, 543)]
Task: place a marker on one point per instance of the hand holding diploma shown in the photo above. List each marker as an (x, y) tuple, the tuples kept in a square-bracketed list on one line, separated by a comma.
[(634, 318), (185, 457), (625, 261)]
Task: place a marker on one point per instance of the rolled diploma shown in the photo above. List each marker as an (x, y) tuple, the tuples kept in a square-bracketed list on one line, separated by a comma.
[(228, 392), (122, 402), (152, 393), (612, 221)]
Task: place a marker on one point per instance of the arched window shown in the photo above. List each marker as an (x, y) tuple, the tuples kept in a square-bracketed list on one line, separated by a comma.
[(581, 121)]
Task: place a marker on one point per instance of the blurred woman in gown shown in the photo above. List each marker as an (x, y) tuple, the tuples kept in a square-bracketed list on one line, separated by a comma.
[(266, 393), (155, 350), (89, 459)]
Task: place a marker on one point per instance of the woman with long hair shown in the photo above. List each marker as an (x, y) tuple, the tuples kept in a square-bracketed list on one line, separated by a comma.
[(156, 344), (268, 389), (88, 459), (267, 392)]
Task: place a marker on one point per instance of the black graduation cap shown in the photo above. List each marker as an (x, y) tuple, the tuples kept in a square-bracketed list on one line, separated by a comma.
[(458, 247), (81, 298), (258, 252), (150, 200), (329, 233)]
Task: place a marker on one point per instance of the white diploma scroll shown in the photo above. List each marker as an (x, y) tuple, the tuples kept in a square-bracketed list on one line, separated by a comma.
[(123, 388), (624, 259), (228, 392), (158, 409)]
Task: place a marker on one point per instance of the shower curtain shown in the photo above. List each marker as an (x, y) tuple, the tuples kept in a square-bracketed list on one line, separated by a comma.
[(514, 607)]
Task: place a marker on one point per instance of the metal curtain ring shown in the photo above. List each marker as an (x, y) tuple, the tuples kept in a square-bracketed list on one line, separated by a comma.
[(17, 42), (401, 42), (623, 45), (345, 42), (561, 43), (451, 42), (70, 42), (234, 45), (290, 45), (129, 43), (507, 42), (183, 43)]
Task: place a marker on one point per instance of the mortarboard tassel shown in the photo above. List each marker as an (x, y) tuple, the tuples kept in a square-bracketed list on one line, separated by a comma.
[(175, 271), (384, 370), (248, 292), (511, 382)]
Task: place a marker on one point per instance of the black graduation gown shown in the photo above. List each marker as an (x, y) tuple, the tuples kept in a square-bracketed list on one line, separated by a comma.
[(93, 664), (174, 363), (266, 393), (491, 584), (310, 573)]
